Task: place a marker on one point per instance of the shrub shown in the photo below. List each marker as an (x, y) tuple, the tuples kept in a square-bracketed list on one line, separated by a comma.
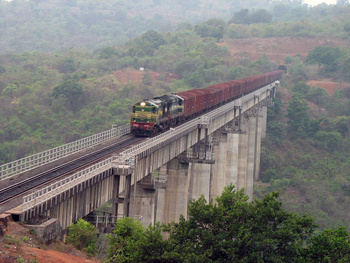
[(82, 235)]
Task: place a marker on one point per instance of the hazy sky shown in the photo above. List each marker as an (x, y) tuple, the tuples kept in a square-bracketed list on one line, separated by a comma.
[(316, 2)]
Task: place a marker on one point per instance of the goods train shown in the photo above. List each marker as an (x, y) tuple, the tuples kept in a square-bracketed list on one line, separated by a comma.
[(151, 116)]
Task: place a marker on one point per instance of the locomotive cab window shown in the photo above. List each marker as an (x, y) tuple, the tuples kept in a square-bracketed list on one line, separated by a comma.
[(154, 109), (133, 109), (180, 102)]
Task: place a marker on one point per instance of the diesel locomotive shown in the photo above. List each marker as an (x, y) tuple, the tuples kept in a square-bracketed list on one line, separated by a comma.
[(151, 116)]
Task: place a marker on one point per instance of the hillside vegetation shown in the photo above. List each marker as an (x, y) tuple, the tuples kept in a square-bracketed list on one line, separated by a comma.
[(58, 25), (48, 99)]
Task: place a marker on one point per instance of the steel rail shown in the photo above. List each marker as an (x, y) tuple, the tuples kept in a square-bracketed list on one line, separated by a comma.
[(14, 168)]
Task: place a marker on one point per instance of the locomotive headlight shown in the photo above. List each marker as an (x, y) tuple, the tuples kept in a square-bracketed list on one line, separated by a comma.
[(143, 104)]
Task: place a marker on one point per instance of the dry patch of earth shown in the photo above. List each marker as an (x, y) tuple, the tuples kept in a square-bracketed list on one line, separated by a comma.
[(19, 245), (329, 86), (278, 48)]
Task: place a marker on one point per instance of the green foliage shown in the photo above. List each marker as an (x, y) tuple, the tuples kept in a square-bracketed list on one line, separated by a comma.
[(68, 65), (131, 242), (10, 91), (236, 230), (108, 52), (70, 89), (301, 87), (233, 229), (317, 95), (212, 28), (331, 245), (328, 140), (244, 17), (342, 125), (82, 235), (329, 57), (299, 120), (2, 70), (187, 66), (146, 44)]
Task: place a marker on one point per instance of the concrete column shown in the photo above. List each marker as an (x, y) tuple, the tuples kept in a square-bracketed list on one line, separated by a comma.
[(199, 181), (259, 128), (225, 169), (116, 183), (232, 159), (186, 181), (172, 201), (242, 143), (264, 122), (144, 204), (218, 178), (126, 207), (252, 125)]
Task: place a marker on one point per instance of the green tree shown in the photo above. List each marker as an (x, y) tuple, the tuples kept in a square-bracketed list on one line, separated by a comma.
[(70, 89), (82, 235), (261, 16), (299, 119), (212, 28), (187, 66), (131, 242), (329, 140), (146, 45), (108, 52), (244, 17), (241, 17), (301, 87), (317, 95), (235, 230), (329, 57), (10, 91), (331, 245), (68, 65), (2, 70)]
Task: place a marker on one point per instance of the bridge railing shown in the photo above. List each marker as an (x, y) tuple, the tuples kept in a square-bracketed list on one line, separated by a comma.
[(40, 196), (27, 163)]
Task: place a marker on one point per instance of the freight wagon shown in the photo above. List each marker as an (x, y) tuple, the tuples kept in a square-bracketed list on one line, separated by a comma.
[(151, 116)]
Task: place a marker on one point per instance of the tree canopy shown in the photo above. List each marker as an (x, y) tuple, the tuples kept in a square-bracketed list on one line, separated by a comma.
[(232, 229)]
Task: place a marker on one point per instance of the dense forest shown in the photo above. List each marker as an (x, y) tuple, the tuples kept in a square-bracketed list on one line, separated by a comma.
[(58, 80), (58, 25)]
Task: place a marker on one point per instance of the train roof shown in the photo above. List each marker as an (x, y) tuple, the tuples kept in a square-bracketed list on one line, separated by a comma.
[(167, 98)]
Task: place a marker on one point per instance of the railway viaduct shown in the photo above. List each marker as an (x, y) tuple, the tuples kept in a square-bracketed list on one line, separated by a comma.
[(155, 179)]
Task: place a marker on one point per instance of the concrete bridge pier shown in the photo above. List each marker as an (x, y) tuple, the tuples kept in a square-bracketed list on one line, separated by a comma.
[(188, 177), (237, 160), (264, 122), (173, 201), (115, 200)]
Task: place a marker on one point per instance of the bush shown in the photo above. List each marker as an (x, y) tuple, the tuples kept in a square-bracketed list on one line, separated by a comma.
[(82, 235)]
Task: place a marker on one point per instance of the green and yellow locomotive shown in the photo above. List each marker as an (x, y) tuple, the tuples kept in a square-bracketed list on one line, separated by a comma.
[(151, 116)]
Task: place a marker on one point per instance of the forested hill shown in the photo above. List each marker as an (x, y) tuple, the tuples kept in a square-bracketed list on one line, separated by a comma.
[(48, 99), (56, 25)]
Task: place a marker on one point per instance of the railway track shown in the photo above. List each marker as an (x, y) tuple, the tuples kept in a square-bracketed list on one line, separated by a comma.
[(13, 190)]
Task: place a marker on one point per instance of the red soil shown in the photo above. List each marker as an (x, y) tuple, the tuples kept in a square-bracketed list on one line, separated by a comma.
[(278, 48), (19, 245), (329, 86)]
